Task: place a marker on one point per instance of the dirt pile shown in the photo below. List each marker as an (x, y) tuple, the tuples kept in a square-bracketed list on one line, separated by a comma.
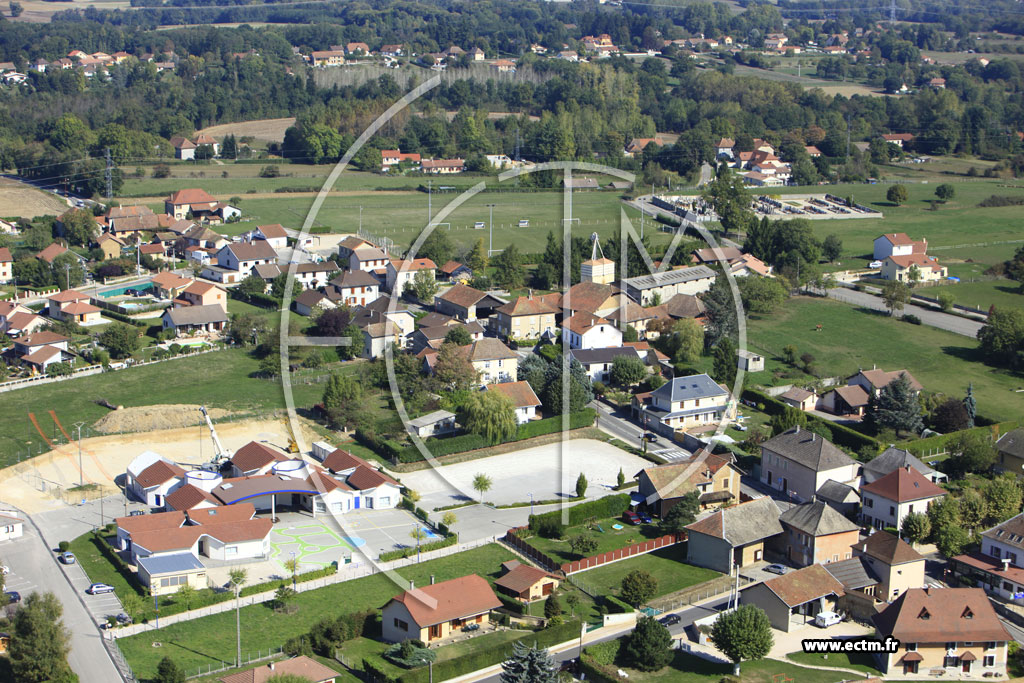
[(152, 418)]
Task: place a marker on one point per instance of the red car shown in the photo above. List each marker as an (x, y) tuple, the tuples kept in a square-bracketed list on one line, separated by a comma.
[(631, 517)]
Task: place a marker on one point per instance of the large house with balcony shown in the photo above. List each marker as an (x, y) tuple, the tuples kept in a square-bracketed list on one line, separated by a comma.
[(799, 462), (685, 403)]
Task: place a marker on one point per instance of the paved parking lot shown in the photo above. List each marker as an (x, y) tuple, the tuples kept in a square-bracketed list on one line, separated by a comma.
[(544, 471)]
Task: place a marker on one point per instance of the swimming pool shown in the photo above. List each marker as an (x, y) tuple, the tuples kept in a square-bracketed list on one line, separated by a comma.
[(121, 291)]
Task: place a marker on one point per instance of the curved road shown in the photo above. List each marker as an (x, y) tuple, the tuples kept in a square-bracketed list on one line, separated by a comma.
[(928, 316)]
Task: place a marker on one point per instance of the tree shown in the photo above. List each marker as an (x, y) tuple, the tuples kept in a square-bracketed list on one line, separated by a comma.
[(251, 285), (969, 453), (832, 248), (573, 601), (951, 540), (684, 342), (638, 587), (946, 301), (762, 294), (477, 258), (945, 192), (949, 416), (1003, 496), (720, 312), (185, 595), (649, 646), (342, 400), (458, 335), (490, 414), (942, 513), (973, 509), (627, 370), (916, 527), (684, 512), (787, 419), (292, 565), (896, 407), (528, 665), (40, 642), (509, 272), (552, 606), (581, 485), (482, 484), (167, 671), (16, 8), (895, 294), (913, 276), (68, 270), (424, 286), (730, 199), (744, 633), (283, 596), (620, 478), (437, 247), (237, 578), (120, 339), (582, 544), (449, 519), (724, 362), (161, 171), (79, 226), (897, 194), (1002, 338), (452, 370)]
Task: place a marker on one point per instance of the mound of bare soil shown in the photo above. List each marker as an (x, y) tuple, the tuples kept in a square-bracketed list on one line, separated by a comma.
[(152, 418)]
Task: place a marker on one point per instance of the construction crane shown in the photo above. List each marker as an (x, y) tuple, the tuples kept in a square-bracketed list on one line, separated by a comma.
[(218, 449)]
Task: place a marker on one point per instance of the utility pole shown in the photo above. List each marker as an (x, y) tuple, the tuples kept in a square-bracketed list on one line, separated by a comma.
[(490, 231), (847, 136), (108, 174), (892, 11), (642, 214), (360, 220), (67, 270), (81, 472), (429, 213)]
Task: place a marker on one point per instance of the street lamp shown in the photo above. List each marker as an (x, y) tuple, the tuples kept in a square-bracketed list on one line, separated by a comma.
[(490, 231), (531, 503), (81, 472)]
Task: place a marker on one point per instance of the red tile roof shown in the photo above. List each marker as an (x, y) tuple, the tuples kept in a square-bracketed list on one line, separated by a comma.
[(520, 393), (526, 306), (302, 667), (43, 338), (804, 585), (453, 599), (941, 615), (191, 196), (903, 485), (463, 296), (5, 255), (365, 477), (159, 473), (68, 296), (51, 252), (340, 460), (521, 577), (187, 497), (254, 455), (273, 230)]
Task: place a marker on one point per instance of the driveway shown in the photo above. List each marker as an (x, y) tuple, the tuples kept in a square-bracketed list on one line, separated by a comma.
[(547, 472), (928, 316)]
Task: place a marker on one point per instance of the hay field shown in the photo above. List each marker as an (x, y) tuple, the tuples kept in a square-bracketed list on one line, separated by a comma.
[(24, 201), (267, 130)]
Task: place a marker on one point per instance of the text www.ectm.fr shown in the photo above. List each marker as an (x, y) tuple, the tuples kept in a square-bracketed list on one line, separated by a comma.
[(827, 645)]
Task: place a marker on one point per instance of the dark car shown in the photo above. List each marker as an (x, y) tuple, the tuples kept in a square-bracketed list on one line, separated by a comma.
[(12, 597), (631, 517), (670, 619), (123, 619), (652, 438), (644, 517), (136, 513)]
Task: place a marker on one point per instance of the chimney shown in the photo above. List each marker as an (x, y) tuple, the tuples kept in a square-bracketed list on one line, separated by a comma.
[(797, 430), (530, 293), (431, 579), (1006, 563), (813, 435), (906, 467), (412, 584), (271, 665)]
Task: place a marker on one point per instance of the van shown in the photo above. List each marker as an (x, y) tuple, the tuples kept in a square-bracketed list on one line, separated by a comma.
[(524, 223), (479, 225)]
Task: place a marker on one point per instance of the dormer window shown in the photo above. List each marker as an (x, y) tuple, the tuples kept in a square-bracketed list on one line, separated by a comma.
[(967, 613), (924, 614)]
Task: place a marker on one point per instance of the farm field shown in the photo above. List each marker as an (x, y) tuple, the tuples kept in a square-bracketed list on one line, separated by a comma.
[(211, 640), (853, 338), (847, 89), (18, 200), (264, 130)]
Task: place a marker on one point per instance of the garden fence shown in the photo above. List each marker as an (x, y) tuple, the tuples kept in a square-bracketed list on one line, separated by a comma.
[(249, 658)]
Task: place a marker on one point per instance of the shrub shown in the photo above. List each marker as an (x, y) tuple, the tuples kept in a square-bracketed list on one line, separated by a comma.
[(911, 318), (550, 527), (63, 546), (608, 506)]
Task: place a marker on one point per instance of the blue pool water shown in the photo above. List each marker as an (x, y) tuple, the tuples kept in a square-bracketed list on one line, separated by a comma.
[(146, 287)]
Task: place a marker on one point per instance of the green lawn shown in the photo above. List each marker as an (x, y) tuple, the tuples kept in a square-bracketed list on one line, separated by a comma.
[(220, 380), (1001, 293), (607, 540), (860, 661), (667, 565), (853, 338), (687, 668), (210, 640)]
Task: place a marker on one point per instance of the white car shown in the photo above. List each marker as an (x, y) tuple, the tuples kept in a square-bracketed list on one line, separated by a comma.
[(826, 619), (5, 570)]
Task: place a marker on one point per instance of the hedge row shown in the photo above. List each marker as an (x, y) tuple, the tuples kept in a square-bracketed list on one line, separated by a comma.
[(616, 606), (412, 550), (261, 300), (474, 661), (311, 575), (841, 434), (602, 508), (120, 317), (472, 442)]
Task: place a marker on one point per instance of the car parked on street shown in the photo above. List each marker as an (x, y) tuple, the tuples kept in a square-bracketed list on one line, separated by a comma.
[(67, 558), (670, 619), (13, 597), (99, 588)]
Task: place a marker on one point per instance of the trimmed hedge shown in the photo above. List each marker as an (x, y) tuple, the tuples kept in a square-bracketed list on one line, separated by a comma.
[(474, 661), (841, 434), (311, 575), (616, 606), (412, 550), (608, 506)]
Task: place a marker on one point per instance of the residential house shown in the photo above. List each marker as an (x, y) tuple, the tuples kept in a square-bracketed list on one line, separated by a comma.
[(18, 319), (191, 320), (713, 256), (638, 145), (817, 534), (200, 205), (733, 537), (393, 157), (51, 252), (526, 317), (167, 573), (747, 265), (357, 49), (633, 315), (850, 400), (434, 336), (110, 246), (169, 285), (394, 50), (795, 599), (437, 423), (11, 526), (400, 273), (1010, 447), (384, 309), (244, 256), (681, 306), (897, 244), (442, 166), (724, 148), (799, 398), (184, 148), (495, 362), (203, 139), (466, 303), (453, 271), (952, 630), (323, 58), (798, 462), (667, 284), (503, 66), (156, 252), (155, 482), (588, 297), (39, 350), (897, 565), (6, 266), (437, 611), (203, 294), (377, 336), (690, 403), (274, 234), (892, 459), (587, 331), (300, 667), (309, 301), (521, 394), (715, 478), (267, 272), (356, 288), (872, 381), (368, 258), (56, 302), (314, 275), (597, 363), (902, 268), (525, 583), (898, 139)]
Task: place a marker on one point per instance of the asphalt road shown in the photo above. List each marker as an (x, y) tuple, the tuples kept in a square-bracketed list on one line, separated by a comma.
[(34, 568), (943, 321)]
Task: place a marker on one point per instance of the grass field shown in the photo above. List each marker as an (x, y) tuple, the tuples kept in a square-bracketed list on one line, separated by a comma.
[(860, 661), (687, 668), (1001, 293), (219, 380), (853, 338), (211, 640), (847, 89), (608, 540), (668, 565)]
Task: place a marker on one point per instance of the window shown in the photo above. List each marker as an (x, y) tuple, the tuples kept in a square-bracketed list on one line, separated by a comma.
[(725, 483), (990, 660), (892, 511), (911, 647), (994, 551), (1007, 586), (990, 646), (870, 502), (951, 646), (1012, 556), (230, 550), (384, 500), (401, 625)]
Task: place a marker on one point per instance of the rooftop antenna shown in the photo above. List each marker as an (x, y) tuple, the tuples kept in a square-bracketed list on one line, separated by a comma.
[(596, 248)]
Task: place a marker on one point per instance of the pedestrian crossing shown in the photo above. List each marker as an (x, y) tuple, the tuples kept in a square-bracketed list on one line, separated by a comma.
[(671, 454)]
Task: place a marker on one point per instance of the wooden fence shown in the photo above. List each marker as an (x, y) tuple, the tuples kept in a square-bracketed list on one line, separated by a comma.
[(622, 553)]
